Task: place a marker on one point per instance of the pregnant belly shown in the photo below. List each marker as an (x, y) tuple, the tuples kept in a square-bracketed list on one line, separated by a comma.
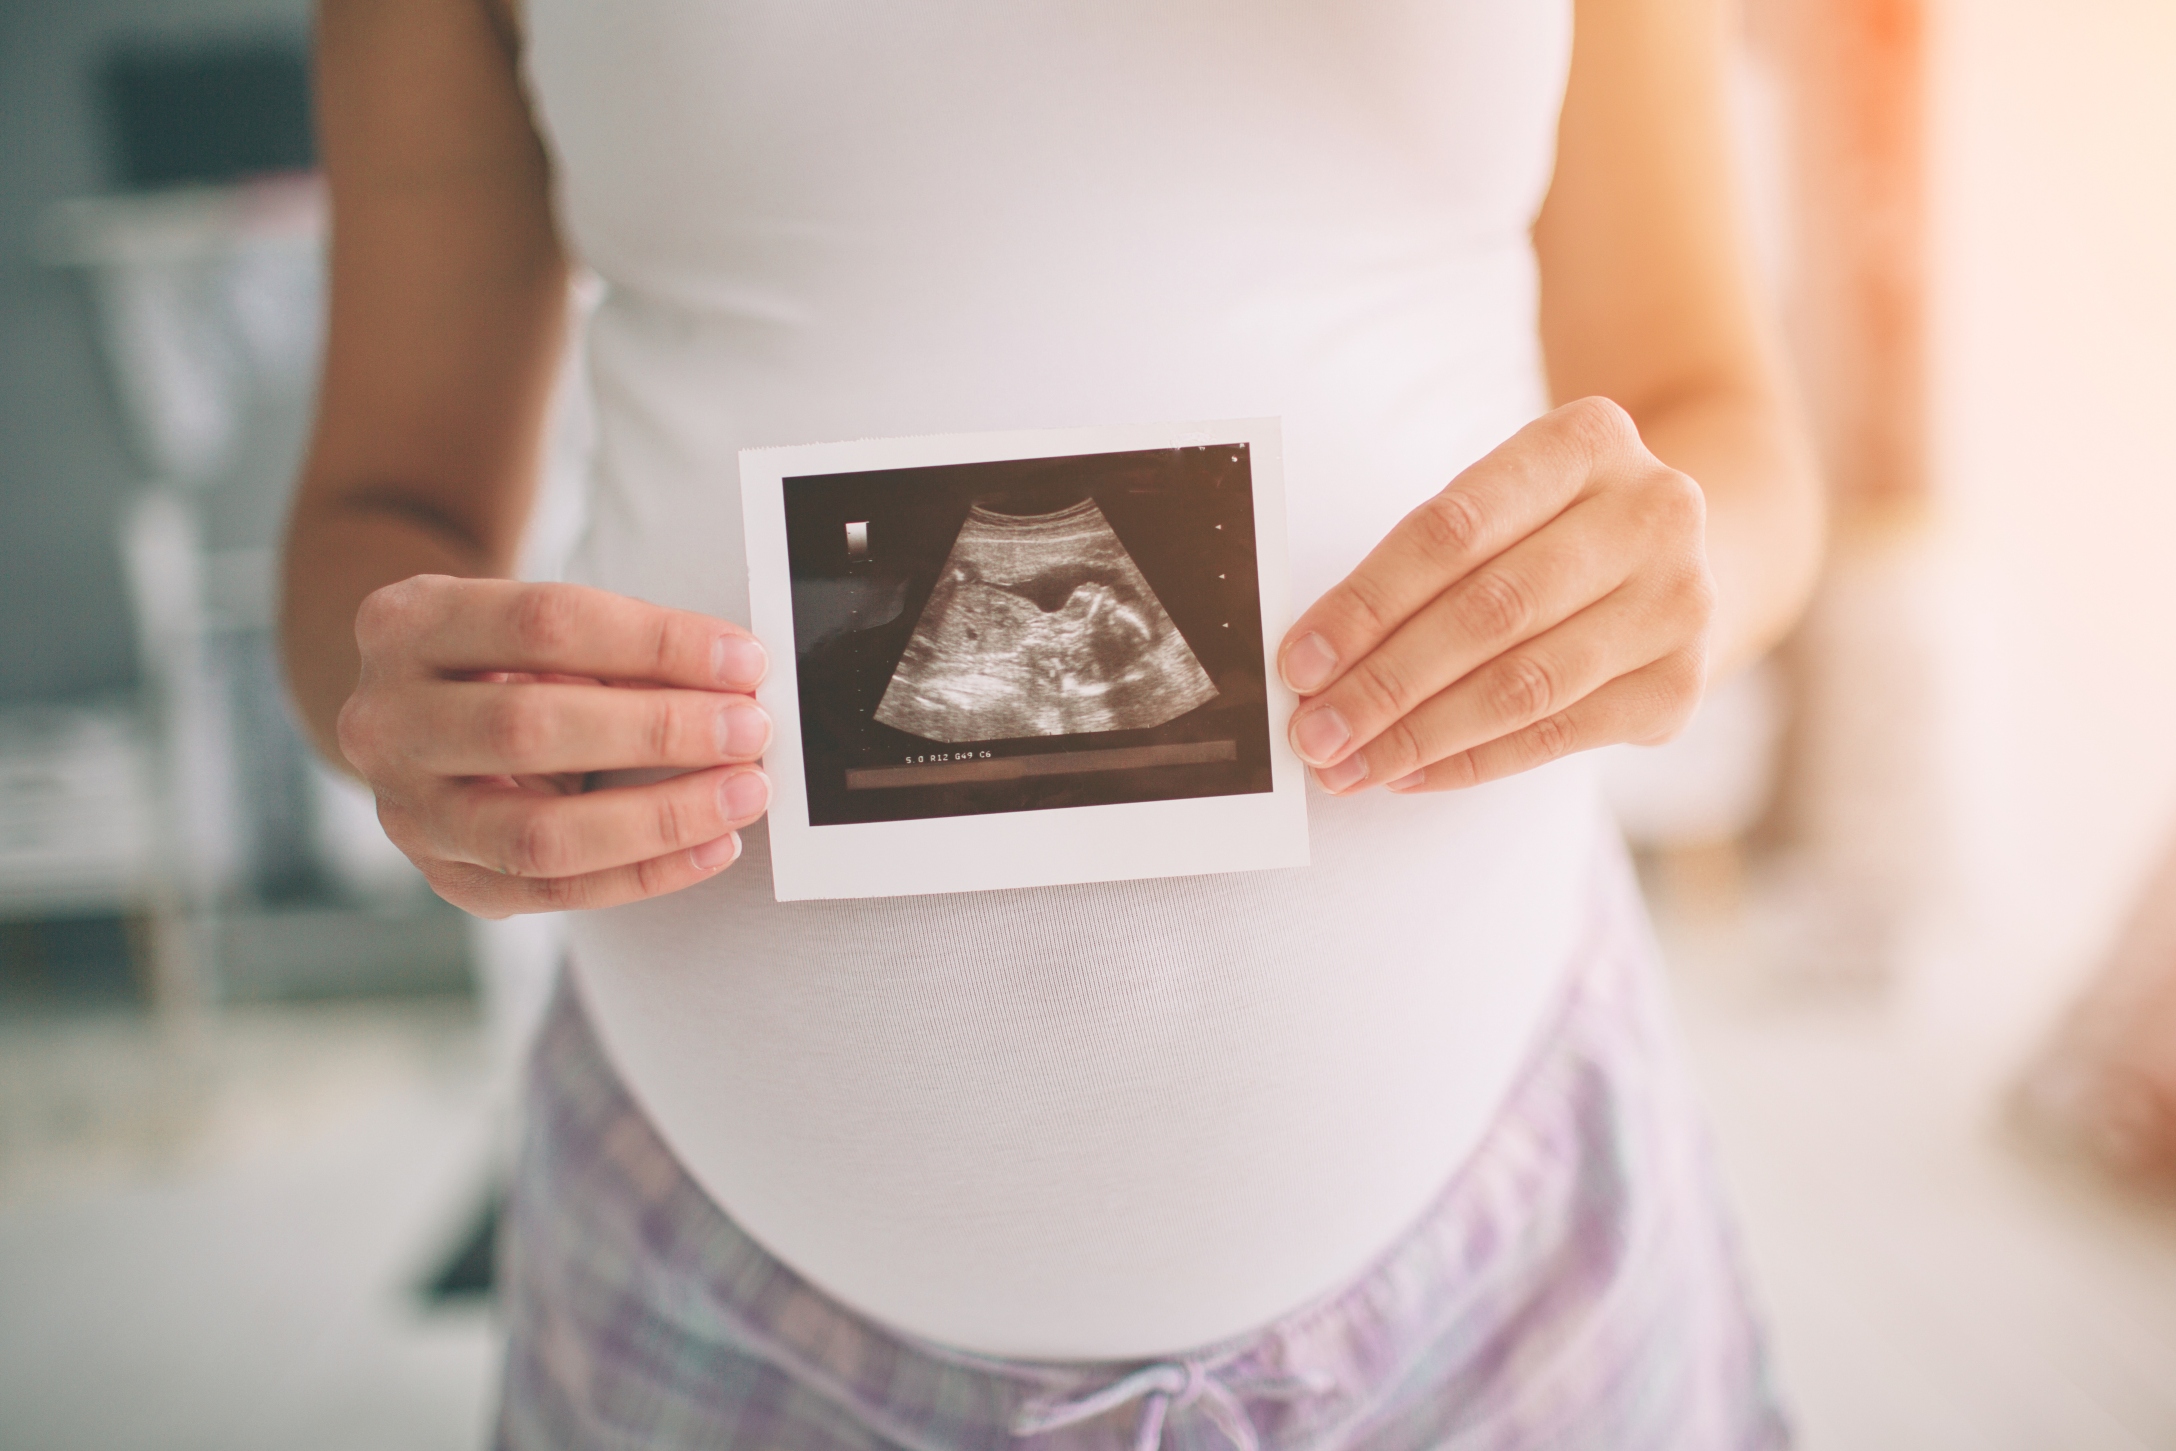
[(1108, 1121)]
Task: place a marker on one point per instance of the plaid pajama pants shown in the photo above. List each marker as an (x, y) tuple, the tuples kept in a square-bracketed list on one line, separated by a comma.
[(1574, 1286)]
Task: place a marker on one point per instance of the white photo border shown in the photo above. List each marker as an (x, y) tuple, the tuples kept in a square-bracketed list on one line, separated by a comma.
[(1052, 847)]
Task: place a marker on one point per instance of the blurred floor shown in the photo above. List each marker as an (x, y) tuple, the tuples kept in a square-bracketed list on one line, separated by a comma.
[(218, 1245), (1933, 1284), (215, 1244)]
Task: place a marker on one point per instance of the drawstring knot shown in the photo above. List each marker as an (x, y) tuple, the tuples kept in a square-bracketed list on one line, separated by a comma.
[(1173, 1385)]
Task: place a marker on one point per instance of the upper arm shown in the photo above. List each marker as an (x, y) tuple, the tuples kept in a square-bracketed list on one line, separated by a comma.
[(1646, 287), (448, 284)]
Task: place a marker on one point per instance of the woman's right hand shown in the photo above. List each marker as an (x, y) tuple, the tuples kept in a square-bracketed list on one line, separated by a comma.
[(484, 704)]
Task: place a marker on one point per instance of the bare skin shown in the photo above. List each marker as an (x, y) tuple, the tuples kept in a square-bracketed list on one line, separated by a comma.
[(1573, 589)]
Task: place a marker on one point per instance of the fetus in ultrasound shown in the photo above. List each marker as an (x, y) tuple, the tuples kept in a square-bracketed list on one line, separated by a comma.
[(1041, 625)]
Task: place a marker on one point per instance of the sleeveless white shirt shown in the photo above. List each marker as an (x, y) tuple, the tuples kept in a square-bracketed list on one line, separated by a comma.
[(1112, 1120)]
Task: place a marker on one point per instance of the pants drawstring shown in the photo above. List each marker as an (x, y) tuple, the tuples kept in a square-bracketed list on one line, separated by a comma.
[(1174, 1385)]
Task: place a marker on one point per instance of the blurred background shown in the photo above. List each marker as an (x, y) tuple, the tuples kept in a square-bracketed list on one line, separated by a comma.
[(1913, 874)]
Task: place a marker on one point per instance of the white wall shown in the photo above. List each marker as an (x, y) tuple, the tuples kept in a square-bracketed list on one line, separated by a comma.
[(2054, 285)]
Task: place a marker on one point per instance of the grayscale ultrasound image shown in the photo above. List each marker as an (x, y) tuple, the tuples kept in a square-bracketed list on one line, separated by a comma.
[(1028, 634), (1041, 625)]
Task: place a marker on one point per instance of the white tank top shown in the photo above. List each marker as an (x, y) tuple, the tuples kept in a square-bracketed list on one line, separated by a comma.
[(1111, 1120)]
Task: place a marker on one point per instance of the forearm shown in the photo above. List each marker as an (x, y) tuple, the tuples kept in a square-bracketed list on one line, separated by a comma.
[(1649, 297), (339, 550), (447, 292), (1765, 509)]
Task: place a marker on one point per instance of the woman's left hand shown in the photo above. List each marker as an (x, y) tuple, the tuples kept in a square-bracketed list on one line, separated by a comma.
[(1555, 597)]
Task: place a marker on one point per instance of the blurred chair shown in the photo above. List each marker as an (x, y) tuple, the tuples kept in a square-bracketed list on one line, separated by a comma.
[(266, 876), (192, 290)]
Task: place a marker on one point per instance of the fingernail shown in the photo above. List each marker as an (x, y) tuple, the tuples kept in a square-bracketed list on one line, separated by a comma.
[(743, 731), (745, 794), (739, 662), (1320, 734), (1309, 663), (712, 855), (1349, 772), (1407, 782)]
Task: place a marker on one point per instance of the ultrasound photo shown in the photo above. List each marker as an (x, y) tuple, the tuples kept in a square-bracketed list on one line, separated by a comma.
[(1041, 625), (1026, 634)]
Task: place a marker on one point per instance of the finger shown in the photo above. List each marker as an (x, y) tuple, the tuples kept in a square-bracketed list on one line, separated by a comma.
[(1525, 481), (465, 728), (1646, 707), (1543, 580), (493, 894), (1624, 632), (524, 834), (464, 625)]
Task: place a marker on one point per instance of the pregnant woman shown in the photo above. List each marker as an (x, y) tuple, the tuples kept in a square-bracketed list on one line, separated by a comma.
[(1390, 1152)]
